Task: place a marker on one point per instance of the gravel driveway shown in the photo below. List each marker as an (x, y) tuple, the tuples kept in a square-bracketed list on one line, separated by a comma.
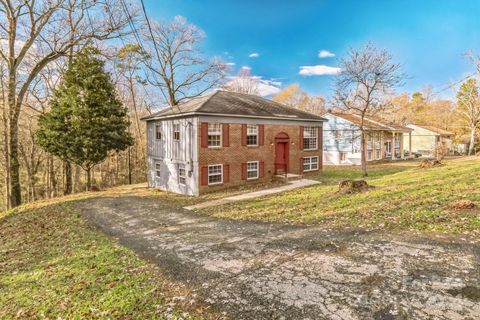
[(252, 270)]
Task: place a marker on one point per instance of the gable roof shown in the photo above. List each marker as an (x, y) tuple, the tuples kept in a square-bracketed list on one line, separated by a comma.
[(225, 103), (371, 122), (435, 130)]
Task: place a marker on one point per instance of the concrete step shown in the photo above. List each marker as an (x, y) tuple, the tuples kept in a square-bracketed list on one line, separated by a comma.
[(288, 177)]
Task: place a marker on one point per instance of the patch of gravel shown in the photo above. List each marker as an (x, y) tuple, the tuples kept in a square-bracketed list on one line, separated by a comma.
[(254, 270)]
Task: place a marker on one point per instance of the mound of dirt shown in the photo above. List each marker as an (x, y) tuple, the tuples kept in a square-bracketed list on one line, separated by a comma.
[(462, 205), (353, 186), (430, 163)]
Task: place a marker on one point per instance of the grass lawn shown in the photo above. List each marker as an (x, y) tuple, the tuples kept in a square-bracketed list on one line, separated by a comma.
[(404, 197), (54, 266)]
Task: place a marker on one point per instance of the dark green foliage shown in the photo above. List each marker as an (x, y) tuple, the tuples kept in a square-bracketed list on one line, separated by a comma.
[(86, 120)]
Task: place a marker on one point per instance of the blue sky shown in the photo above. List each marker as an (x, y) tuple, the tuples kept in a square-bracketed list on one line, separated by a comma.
[(428, 37)]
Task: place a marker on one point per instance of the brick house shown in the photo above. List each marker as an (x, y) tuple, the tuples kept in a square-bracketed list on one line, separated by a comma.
[(228, 139)]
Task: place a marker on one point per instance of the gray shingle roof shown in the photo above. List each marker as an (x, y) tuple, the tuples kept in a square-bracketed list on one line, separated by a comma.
[(235, 104)]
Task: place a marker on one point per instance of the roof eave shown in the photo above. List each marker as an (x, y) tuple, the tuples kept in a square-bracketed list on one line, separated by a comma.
[(186, 114)]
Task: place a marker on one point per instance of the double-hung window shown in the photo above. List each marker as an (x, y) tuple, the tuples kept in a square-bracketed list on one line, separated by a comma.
[(176, 132), (310, 137), (182, 178), (158, 132), (378, 144), (215, 174), (214, 135), (310, 163), (252, 135), (157, 169), (252, 170)]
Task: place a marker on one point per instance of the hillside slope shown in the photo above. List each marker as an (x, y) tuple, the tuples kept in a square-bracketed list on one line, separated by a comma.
[(402, 199)]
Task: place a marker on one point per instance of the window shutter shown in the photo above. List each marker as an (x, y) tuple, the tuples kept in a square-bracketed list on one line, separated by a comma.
[(204, 176), (244, 171), (226, 135), (244, 134), (261, 169), (301, 165), (204, 135), (301, 138), (226, 173), (261, 134)]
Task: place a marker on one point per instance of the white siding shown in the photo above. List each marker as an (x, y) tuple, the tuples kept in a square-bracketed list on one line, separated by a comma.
[(170, 154)]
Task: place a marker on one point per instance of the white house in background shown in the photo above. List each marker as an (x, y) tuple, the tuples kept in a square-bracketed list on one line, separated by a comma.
[(341, 134), (428, 140)]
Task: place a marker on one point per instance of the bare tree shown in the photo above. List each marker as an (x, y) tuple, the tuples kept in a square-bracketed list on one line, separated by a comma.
[(176, 63), (468, 101), (33, 34), (362, 86), (244, 82)]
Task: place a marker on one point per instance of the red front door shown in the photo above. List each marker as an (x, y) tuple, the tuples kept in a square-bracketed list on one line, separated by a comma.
[(281, 157)]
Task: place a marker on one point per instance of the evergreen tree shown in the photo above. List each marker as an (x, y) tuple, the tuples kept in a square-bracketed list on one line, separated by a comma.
[(86, 120)]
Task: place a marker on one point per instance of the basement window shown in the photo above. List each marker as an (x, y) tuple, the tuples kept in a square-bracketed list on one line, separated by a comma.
[(157, 169), (215, 174), (181, 174), (310, 163), (252, 170)]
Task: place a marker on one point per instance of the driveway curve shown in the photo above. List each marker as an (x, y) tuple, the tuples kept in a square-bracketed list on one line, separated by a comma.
[(254, 270)]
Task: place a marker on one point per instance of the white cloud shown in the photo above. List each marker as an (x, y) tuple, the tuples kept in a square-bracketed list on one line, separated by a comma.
[(254, 55), (267, 88), (318, 70), (263, 88), (246, 68), (231, 64), (325, 54)]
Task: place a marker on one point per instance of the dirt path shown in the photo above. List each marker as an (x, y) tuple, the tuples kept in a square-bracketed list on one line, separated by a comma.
[(252, 270)]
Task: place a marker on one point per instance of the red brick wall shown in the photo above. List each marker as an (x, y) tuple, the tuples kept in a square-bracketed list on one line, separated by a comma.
[(236, 154)]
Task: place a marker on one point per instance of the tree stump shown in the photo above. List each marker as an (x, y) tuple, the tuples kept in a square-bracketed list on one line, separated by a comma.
[(462, 205), (353, 186), (428, 163)]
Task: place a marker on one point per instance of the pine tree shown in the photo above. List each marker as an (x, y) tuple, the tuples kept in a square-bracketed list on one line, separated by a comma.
[(86, 120)]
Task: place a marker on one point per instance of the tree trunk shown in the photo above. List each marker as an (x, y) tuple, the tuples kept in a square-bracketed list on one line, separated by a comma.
[(15, 188), (89, 181), (471, 147), (68, 178), (53, 180), (363, 154), (129, 164)]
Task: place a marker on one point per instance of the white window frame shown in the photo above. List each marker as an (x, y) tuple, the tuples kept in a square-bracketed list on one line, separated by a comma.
[(306, 136), (250, 128), (182, 179), (176, 129), (158, 169), (158, 131), (215, 174), (310, 164), (343, 156), (214, 133), (257, 170)]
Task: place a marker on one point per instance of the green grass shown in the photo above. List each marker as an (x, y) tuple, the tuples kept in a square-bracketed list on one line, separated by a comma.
[(405, 197), (54, 266)]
